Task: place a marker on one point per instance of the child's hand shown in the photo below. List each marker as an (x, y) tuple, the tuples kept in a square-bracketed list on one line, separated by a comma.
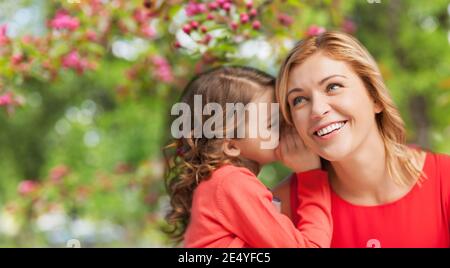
[(293, 153)]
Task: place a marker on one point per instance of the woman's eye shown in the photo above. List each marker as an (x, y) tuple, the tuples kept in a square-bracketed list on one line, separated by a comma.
[(298, 100), (333, 87)]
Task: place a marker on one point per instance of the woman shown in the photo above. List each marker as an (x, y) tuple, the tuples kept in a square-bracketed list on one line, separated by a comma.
[(384, 193)]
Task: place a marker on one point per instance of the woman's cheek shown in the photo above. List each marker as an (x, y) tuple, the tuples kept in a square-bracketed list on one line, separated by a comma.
[(300, 121), (345, 103)]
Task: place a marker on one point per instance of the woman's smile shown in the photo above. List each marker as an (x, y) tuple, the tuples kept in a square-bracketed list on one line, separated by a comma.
[(329, 131)]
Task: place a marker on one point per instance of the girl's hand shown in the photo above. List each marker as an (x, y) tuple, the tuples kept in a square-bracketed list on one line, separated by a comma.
[(293, 153)]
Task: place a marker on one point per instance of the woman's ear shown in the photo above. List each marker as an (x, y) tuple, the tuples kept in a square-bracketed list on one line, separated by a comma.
[(378, 108), (231, 149)]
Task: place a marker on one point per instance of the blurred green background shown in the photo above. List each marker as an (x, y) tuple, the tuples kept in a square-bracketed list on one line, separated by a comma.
[(86, 88)]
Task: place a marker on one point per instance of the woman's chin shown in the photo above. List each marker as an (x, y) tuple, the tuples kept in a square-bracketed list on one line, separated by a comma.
[(333, 154)]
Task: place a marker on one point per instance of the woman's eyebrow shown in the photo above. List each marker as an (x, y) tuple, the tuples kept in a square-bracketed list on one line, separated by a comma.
[(329, 77), (297, 89), (294, 90)]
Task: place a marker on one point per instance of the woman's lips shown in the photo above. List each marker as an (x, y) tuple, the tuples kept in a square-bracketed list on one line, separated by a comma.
[(330, 131)]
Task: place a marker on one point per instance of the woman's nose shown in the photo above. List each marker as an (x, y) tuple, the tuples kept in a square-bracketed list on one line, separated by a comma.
[(319, 107)]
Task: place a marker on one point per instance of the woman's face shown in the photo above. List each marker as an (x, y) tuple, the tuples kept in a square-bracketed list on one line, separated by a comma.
[(330, 107)]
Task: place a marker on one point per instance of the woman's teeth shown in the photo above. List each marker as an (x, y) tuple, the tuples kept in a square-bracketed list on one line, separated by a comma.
[(326, 130)]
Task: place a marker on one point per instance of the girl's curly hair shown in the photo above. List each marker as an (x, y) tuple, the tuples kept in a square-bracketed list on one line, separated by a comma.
[(192, 160)]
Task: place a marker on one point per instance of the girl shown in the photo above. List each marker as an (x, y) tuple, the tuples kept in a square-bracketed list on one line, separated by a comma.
[(216, 198), (384, 193)]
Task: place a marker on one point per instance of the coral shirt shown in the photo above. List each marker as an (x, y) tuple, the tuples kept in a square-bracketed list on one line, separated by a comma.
[(233, 208), (418, 219)]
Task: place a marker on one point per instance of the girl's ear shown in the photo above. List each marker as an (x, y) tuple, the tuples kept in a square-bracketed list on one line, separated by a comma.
[(230, 148)]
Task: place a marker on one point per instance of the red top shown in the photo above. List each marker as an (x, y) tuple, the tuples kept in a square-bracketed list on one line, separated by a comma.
[(418, 219), (233, 208)]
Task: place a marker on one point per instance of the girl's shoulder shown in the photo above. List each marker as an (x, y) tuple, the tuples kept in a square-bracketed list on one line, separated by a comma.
[(228, 177), (230, 185), (237, 182), (228, 170)]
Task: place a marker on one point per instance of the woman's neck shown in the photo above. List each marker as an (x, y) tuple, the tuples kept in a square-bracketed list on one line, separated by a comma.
[(362, 177)]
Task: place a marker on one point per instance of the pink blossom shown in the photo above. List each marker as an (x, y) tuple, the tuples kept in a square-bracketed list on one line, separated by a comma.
[(140, 15), (6, 99), (226, 6), (234, 25), (62, 20), (148, 31), (256, 25), (194, 24), (244, 18), (249, 4), (207, 39), (47, 64), (285, 19), (193, 8), (96, 6), (349, 26), (16, 59), (163, 70), (58, 172), (187, 28), (71, 60), (91, 35), (74, 61), (9, 100), (3, 37), (27, 186), (27, 39), (159, 61), (213, 6), (201, 8), (314, 30)]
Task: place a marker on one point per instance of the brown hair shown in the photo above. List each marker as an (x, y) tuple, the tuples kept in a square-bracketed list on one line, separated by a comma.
[(401, 161), (196, 158)]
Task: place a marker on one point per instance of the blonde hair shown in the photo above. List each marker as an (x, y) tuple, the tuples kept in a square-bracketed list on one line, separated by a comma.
[(401, 161)]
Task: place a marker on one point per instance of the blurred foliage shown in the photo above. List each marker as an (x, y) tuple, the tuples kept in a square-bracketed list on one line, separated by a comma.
[(86, 88)]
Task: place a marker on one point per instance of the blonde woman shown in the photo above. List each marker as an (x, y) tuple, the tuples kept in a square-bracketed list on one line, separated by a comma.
[(384, 193)]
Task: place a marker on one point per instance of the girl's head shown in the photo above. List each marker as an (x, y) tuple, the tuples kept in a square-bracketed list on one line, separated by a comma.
[(331, 89), (197, 154)]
